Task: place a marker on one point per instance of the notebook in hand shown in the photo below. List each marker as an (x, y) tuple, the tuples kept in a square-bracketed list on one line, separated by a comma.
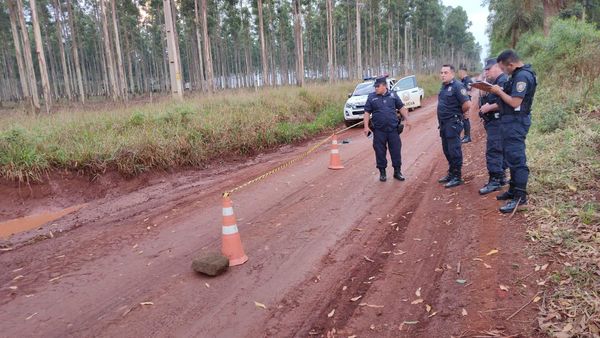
[(482, 85)]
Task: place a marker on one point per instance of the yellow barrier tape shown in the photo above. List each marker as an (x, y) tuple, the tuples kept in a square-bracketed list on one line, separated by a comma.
[(288, 163)]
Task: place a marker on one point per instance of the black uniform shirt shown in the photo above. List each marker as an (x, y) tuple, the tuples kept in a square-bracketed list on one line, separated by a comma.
[(522, 83), (383, 109), (467, 81), (450, 100), (493, 98)]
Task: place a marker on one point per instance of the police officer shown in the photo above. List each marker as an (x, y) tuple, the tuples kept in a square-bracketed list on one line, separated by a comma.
[(453, 101), (489, 111), (516, 98), (466, 81), (381, 109)]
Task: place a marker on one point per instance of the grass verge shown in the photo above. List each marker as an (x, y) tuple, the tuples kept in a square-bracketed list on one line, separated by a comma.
[(166, 135), (564, 158)]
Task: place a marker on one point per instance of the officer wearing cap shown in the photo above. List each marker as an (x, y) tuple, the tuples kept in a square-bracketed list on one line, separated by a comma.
[(489, 111), (453, 101), (381, 110), (466, 81), (516, 98)]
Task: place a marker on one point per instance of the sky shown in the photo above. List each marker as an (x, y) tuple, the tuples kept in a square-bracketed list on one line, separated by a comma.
[(478, 17)]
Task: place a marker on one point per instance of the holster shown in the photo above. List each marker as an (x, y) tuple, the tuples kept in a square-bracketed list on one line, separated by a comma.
[(400, 128)]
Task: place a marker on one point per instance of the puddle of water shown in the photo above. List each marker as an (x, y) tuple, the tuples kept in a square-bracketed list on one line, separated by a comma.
[(14, 226)]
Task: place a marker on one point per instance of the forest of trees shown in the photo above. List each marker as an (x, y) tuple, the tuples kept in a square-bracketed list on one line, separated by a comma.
[(510, 19), (73, 50)]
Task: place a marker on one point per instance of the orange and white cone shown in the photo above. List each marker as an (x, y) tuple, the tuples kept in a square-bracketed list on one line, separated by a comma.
[(335, 162), (232, 242)]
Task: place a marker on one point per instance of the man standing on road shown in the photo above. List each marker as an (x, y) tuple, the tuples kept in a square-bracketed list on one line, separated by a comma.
[(453, 101), (489, 111), (466, 81), (516, 98), (382, 109)]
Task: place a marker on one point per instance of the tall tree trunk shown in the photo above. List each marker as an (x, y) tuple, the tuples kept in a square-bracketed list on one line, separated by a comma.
[(129, 65), (39, 47), (75, 52), (263, 52), (199, 44), (18, 53), (110, 63), (299, 43), (63, 59), (551, 9), (173, 52), (330, 69), (120, 67), (207, 51), (359, 69)]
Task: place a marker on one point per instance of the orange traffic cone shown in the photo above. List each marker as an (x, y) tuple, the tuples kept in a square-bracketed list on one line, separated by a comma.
[(335, 162), (232, 243)]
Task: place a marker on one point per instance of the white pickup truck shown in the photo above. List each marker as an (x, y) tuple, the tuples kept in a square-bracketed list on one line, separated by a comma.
[(409, 92), (355, 106)]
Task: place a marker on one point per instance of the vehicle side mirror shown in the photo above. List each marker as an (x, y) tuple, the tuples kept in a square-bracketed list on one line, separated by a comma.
[(349, 95)]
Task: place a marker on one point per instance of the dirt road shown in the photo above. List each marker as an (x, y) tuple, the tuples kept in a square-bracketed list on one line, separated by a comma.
[(316, 239)]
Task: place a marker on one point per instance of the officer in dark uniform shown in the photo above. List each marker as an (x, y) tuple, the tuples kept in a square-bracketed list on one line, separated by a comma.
[(517, 99), (453, 101), (489, 111), (466, 81), (382, 110)]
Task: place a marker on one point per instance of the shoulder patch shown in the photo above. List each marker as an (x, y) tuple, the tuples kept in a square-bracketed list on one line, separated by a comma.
[(521, 86), (463, 91), (450, 88)]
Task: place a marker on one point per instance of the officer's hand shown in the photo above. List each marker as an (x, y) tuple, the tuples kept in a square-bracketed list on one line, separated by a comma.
[(485, 108), (366, 131), (407, 124), (495, 89), (466, 114)]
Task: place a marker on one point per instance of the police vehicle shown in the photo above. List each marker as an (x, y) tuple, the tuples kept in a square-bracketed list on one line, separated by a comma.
[(409, 92), (355, 105)]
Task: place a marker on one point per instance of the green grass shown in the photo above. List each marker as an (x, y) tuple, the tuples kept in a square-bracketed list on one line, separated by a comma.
[(564, 159), (168, 134)]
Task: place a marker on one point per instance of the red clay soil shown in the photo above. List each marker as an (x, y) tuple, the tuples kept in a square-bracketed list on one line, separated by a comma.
[(316, 239)]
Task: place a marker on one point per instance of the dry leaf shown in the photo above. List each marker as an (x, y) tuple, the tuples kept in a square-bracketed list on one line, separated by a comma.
[(487, 266), (461, 281), (418, 292), (413, 322), (536, 299), (330, 314), (344, 288), (386, 252), (464, 312), (13, 287), (503, 287), (372, 327), (368, 259), (146, 303), (492, 252), (417, 301), (28, 318), (260, 305), (544, 267), (433, 314), (478, 259), (355, 298), (428, 308), (207, 285), (439, 269)]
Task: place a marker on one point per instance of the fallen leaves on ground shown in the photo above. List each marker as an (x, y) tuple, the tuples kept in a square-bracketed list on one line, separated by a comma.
[(492, 252), (260, 305)]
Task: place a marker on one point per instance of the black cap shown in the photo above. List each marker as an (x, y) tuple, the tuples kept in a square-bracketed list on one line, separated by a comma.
[(489, 63), (380, 80)]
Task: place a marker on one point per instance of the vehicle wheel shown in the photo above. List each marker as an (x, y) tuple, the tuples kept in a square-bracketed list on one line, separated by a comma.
[(420, 101)]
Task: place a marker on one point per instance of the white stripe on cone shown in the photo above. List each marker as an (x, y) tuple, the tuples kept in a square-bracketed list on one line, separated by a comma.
[(228, 211), (335, 151), (230, 229)]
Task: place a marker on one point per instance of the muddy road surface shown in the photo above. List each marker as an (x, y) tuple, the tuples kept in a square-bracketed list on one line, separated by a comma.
[(332, 253)]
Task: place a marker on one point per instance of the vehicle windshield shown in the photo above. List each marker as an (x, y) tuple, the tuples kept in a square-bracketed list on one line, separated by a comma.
[(365, 88), (405, 84)]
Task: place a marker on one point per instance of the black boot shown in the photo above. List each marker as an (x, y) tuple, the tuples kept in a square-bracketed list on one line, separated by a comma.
[(454, 182), (507, 195), (494, 184), (519, 198), (445, 179), (382, 175), (398, 174)]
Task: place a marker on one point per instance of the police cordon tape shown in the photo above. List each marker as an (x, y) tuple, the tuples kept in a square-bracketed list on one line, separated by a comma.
[(231, 246)]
